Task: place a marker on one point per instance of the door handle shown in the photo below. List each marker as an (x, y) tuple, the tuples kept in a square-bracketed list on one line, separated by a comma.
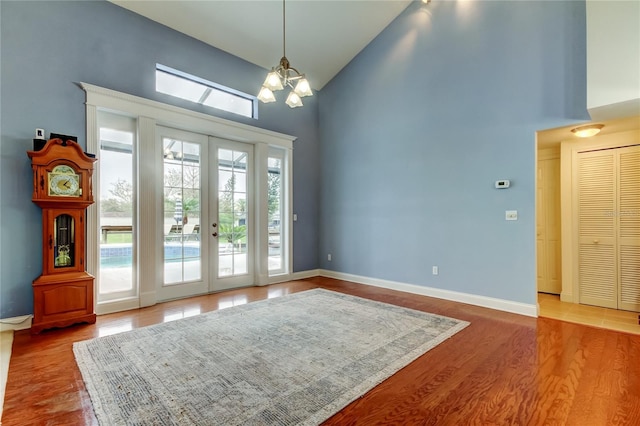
[(596, 241)]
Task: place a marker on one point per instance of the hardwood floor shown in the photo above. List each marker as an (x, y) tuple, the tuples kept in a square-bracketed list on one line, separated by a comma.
[(612, 319), (503, 369)]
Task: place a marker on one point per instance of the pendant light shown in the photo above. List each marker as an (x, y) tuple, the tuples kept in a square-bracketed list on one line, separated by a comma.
[(284, 75)]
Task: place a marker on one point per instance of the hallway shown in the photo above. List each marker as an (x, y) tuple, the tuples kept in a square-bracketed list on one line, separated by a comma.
[(552, 307)]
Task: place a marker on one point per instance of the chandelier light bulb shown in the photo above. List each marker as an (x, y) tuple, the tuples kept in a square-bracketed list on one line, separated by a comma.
[(303, 88), (273, 81), (266, 95), (293, 100)]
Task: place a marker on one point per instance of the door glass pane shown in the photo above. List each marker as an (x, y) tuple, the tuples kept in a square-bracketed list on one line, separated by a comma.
[(116, 278), (232, 213), (275, 194), (182, 200)]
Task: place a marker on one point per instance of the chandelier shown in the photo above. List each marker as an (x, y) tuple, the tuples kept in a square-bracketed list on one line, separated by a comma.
[(285, 75)]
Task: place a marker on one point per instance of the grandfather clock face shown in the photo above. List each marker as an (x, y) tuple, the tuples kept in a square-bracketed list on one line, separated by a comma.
[(64, 182), (64, 241)]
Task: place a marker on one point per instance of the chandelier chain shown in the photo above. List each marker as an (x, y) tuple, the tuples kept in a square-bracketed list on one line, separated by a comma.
[(284, 30)]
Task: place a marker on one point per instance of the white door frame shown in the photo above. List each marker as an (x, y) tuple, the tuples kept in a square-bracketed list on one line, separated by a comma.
[(149, 114)]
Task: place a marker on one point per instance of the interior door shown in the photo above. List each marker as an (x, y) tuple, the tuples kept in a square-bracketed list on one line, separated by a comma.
[(231, 232), (548, 226)]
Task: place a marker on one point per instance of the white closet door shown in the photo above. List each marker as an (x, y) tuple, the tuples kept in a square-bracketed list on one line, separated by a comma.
[(597, 271), (628, 216)]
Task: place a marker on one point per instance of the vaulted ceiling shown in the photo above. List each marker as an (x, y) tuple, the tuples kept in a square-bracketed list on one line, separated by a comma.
[(322, 36)]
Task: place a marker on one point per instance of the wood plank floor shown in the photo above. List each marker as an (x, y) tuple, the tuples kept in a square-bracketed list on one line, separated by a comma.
[(503, 369)]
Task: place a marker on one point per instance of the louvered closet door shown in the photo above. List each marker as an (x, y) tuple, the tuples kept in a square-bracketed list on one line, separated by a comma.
[(629, 226), (597, 273)]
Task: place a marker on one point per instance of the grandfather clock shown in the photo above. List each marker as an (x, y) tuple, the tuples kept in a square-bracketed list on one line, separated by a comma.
[(63, 294)]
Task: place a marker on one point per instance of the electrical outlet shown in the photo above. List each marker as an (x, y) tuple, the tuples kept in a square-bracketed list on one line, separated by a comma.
[(329, 257), (434, 270), (511, 215)]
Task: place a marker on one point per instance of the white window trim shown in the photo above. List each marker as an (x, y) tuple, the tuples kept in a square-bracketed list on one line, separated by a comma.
[(148, 114)]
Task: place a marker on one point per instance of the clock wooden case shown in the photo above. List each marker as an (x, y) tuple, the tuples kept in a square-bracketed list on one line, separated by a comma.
[(62, 187)]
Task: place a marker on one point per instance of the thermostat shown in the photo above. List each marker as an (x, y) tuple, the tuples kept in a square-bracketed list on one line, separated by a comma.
[(500, 184)]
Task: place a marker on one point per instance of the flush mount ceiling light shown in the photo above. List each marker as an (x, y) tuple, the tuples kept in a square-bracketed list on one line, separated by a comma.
[(587, 131), (285, 75)]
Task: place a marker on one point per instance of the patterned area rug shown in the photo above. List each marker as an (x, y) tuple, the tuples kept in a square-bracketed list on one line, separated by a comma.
[(296, 359)]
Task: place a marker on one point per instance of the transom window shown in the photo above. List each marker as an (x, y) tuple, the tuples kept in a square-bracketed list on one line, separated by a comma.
[(195, 89)]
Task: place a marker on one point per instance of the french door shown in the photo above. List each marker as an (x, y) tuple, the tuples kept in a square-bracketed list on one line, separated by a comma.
[(207, 201)]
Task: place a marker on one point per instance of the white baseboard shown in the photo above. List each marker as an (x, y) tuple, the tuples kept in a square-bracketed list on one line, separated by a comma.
[(305, 274), (113, 306), (529, 310), (16, 323)]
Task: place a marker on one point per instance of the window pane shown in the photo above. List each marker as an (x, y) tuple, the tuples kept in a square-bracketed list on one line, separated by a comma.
[(229, 102), (232, 213), (182, 203), (275, 194), (179, 87), (191, 88), (116, 203)]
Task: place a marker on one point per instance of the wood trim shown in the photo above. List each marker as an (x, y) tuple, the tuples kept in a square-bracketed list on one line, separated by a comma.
[(92, 220), (112, 306), (192, 121), (149, 210), (148, 114), (549, 153)]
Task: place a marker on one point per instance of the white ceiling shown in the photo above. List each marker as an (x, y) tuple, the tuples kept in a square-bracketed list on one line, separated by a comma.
[(322, 35)]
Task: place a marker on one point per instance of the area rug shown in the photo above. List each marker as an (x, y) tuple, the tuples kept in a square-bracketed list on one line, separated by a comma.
[(296, 359)]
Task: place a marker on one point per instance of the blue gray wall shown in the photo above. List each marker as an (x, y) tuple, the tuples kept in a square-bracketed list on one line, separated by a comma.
[(47, 48), (417, 128), (413, 132)]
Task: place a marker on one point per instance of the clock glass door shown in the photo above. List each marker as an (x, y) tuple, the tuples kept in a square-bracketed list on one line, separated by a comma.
[(63, 241)]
